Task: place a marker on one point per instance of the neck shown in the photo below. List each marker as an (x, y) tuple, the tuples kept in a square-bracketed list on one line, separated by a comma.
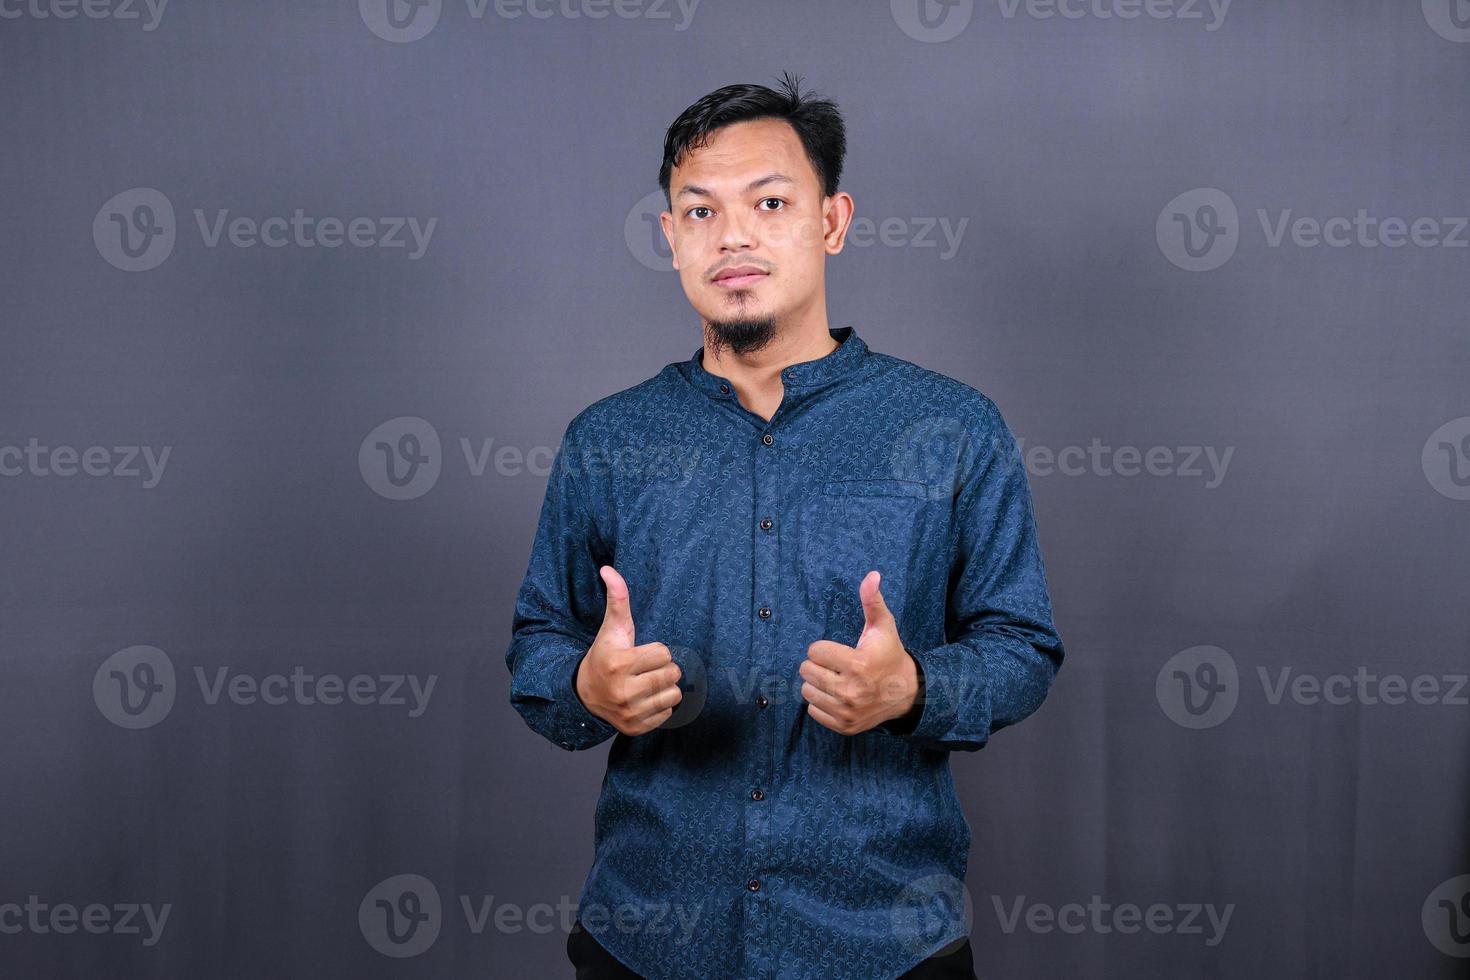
[(760, 368)]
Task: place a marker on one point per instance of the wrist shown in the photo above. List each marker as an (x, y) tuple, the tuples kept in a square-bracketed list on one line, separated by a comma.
[(913, 705), (577, 682)]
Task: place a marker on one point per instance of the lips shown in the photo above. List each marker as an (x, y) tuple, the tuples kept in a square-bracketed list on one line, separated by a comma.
[(740, 275)]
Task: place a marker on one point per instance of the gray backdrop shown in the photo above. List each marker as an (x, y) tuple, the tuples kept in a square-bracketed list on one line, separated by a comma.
[(299, 297)]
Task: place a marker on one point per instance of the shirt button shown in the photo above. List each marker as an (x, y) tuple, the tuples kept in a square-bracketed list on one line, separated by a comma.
[(724, 389), (757, 794), (768, 438), (765, 612), (761, 700), (765, 523), (753, 884)]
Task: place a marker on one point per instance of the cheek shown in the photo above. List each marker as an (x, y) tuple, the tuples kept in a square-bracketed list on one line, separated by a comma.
[(800, 268), (806, 244), (690, 247), (696, 289)]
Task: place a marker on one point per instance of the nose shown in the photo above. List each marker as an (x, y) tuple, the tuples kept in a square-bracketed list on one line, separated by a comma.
[(737, 232)]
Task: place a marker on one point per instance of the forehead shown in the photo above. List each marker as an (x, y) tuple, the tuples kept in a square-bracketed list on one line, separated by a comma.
[(742, 151)]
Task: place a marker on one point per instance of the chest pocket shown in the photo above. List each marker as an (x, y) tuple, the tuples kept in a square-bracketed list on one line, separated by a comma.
[(851, 527)]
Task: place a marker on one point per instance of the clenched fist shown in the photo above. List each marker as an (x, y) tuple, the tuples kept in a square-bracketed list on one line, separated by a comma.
[(633, 688), (852, 689)]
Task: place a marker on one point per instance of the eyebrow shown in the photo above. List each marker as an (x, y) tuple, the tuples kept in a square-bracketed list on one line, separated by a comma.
[(759, 182)]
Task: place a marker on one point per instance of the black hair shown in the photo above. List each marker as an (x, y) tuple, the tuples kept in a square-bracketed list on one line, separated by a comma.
[(816, 121)]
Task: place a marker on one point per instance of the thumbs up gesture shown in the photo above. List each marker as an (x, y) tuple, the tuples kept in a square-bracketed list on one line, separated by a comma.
[(852, 689), (633, 688)]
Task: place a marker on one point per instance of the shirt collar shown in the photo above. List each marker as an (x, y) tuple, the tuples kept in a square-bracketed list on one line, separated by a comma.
[(849, 355)]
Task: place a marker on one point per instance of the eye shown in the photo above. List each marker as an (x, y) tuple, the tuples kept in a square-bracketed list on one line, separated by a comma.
[(776, 199), (697, 207)]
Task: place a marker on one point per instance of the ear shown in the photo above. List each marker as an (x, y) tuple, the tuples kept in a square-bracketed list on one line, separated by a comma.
[(666, 222)]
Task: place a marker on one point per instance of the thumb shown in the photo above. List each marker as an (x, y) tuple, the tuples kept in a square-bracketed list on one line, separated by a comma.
[(617, 616), (876, 615)]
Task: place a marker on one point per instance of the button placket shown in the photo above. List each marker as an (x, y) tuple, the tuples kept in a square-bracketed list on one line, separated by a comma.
[(764, 645)]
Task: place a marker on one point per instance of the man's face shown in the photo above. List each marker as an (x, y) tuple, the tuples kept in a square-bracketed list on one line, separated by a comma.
[(750, 199)]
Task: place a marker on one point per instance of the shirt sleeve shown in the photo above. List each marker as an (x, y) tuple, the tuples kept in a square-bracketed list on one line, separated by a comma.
[(1002, 651), (558, 610)]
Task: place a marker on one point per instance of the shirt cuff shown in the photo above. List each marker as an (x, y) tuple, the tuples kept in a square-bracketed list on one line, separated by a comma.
[(543, 689), (952, 708), (583, 727)]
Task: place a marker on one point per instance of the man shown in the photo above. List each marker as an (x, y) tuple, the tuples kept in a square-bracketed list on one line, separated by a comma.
[(787, 577)]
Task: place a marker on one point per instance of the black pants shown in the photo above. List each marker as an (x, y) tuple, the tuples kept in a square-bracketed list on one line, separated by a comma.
[(593, 962)]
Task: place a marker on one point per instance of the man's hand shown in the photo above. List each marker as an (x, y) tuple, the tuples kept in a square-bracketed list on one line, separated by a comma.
[(633, 688), (852, 689)]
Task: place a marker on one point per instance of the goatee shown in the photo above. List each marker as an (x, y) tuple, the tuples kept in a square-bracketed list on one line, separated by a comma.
[(741, 336)]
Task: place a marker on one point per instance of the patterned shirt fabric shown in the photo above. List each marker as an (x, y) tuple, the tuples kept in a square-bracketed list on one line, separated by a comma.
[(742, 838)]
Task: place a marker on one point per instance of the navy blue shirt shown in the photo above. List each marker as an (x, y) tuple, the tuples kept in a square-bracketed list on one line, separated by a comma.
[(742, 837)]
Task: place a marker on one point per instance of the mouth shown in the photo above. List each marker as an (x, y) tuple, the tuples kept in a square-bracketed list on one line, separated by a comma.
[(739, 277)]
